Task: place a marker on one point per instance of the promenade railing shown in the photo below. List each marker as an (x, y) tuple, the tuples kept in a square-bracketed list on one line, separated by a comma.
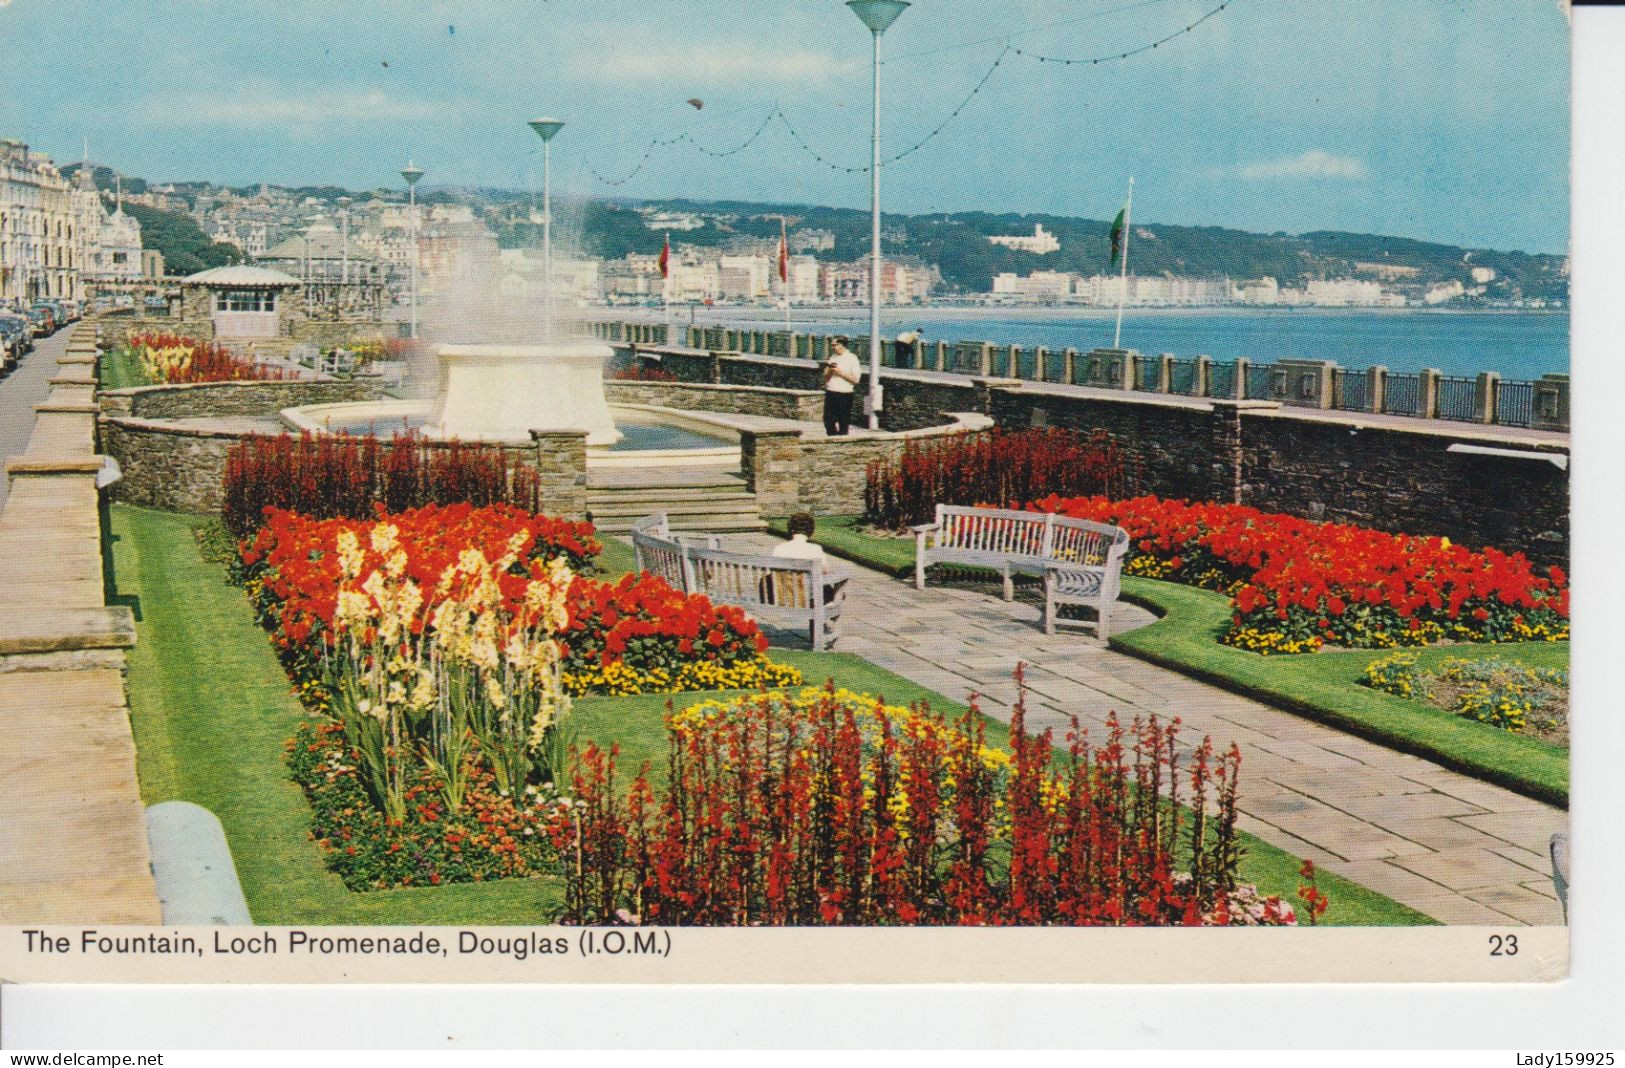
[(1541, 404)]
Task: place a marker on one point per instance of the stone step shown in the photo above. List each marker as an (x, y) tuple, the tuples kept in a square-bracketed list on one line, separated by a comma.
[(638, 509), (684, 493), (688, 525)]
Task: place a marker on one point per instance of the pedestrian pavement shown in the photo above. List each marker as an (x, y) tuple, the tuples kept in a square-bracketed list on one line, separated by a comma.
[(1458, 849)]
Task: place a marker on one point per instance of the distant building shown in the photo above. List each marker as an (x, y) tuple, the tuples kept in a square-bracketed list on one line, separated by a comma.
[(1041, 241), (1038, 286), (39, 229), (744, 277)]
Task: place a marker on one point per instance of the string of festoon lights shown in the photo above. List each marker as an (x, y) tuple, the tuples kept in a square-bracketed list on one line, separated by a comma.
[(777, 113), (1116, 56)]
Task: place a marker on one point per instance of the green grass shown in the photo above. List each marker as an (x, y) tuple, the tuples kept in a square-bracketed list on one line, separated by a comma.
[(211, 711), (1323, 686), (840, 536), (121, 369), (616, 560)]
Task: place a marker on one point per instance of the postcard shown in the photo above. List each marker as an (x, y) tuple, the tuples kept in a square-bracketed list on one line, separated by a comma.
[(828, 492)]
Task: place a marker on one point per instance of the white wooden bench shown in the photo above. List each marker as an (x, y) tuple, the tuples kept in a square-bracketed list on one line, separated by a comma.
[(1080, 562), (777, 589)]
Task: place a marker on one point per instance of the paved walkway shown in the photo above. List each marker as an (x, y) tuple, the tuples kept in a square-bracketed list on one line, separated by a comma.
[(1458, 849)]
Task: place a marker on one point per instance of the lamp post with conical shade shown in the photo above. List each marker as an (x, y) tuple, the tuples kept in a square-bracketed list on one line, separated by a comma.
[(412, 173), (546, 129), (877, 15)]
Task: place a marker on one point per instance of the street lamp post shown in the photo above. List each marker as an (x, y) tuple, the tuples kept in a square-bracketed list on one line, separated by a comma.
[(546, 129), (344, 254), (412, 174), (878, 15)]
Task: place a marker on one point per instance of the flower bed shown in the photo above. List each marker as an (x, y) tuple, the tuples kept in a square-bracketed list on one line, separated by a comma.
[(438, 648), (638, 635), (828, 808), (1493, 690), (333, 475), (174, 358), (1297, 585), (1003, 465)]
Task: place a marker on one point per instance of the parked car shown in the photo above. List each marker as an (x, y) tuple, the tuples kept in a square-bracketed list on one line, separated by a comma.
[(44, 322), (15, 339)]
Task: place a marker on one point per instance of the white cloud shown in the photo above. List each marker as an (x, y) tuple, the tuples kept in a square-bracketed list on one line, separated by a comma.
[(713, 64), (276, 108), (1315, 163)]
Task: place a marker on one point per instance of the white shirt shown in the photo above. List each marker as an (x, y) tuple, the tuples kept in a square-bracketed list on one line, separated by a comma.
[(799, 548), (847, 363)]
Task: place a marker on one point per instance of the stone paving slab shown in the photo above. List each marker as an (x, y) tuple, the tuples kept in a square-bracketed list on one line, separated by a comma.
[(1458, 849), (73, 841)]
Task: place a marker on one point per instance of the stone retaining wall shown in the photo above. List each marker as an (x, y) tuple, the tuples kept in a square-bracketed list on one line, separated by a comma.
[(799, 404), (203, 399), (1380, 471), (794, 471), (182, 468)]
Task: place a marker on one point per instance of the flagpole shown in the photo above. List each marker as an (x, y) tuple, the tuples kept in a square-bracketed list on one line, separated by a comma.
[(1122, 288), (784, 277), (665, 286)]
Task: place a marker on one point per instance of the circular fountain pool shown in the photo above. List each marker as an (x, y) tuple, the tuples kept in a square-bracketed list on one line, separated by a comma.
[(648, 436)]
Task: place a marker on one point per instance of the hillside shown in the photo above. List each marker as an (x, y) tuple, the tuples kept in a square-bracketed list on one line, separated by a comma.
[(957, 243)]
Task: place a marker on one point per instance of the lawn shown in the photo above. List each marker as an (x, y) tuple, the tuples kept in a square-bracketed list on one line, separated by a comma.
[(211, 711), (121, 369), (1322, 686)]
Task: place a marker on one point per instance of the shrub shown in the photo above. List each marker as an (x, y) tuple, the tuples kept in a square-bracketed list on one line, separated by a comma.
[(830, 808), (173, 358), (336, 475), (648, 373), (997, 468), (1297, 584)]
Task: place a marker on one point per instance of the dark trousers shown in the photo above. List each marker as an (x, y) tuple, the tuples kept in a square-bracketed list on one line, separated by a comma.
[(837, 412)]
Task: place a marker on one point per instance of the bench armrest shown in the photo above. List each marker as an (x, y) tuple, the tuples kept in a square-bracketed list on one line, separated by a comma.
[(924, 528)]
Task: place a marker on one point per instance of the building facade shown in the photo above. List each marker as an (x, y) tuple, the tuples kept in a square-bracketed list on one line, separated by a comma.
[(40, 239)]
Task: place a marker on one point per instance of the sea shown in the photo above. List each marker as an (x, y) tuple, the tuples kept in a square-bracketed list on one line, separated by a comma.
[(1519, 345)]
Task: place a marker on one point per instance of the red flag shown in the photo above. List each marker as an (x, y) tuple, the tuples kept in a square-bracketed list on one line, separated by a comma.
[(665, 258), (784, 255)]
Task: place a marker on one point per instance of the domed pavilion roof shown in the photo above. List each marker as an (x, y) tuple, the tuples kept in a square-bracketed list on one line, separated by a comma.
[(240, 276)]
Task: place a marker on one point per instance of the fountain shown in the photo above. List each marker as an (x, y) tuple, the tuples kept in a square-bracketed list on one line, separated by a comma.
[(503, 392), (502, 368)]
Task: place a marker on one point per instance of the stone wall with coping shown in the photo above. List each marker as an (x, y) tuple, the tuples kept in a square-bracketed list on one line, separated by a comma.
[(183, 468), (196, 322), (1406, 480), (799, 404), (795, 471), (914, 401), (1379, 471), (203, 399)]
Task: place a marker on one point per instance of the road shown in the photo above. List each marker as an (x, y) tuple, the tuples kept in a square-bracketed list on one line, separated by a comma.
[(25, 387)]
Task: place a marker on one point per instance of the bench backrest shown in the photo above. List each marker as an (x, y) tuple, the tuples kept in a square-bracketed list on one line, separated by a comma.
[(1080, 541), (757, 581), (658, 554), (992, 530)]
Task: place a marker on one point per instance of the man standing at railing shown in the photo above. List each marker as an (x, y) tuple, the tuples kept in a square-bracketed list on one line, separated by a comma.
[(842, 372)]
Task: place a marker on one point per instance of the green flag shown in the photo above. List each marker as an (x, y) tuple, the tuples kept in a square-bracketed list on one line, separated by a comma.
[(1117, 235)]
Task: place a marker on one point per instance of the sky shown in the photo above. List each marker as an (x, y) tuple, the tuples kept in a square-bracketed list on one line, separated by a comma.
[(1442, 120)]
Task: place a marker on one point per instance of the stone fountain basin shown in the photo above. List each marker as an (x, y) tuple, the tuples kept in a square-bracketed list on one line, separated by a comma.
[(654, 437)]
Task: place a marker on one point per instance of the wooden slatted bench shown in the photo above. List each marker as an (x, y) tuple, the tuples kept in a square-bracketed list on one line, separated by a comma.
[(1080, 562), (778, 589)]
